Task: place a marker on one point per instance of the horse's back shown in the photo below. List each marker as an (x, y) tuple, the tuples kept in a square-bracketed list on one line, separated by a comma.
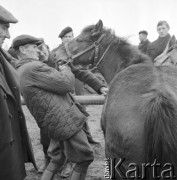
[(122, 118)]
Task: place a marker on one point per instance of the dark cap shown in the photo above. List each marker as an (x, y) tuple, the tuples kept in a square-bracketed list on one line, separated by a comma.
[(143, 32), (6, 16), (25, 39), (65, 31)]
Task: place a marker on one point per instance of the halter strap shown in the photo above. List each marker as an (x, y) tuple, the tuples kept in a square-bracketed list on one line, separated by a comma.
[(85, 50)]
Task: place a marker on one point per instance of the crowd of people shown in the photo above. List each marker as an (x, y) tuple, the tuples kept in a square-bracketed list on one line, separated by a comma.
[(28, 69)]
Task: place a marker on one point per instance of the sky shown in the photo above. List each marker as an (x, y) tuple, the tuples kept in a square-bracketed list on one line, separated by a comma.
[(46, 18)]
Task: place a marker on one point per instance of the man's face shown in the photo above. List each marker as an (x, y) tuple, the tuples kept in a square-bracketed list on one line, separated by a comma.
[(67, 37), (142, 37), (4, 32), (31, 51), (43, 52), (162, 30)]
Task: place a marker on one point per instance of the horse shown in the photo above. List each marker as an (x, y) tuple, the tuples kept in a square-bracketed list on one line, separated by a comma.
[(169, 55), (139, 117)]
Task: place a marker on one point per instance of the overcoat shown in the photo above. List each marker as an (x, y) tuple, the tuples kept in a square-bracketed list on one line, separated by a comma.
[(156, 47), (15, 145)]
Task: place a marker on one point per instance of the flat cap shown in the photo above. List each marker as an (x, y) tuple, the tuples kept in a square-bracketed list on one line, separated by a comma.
[(65, 31), (143, 32), (25, 39), (6, 16)]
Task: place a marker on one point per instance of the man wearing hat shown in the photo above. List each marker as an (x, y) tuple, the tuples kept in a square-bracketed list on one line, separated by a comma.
[(15, 145), (67, 35), (47, 94), (144, 42)]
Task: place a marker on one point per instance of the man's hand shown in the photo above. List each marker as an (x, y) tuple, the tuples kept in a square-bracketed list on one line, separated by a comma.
[(104, 90)]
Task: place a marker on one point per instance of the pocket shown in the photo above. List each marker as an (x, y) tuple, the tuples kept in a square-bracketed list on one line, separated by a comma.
[(75, 114), (68, 122)]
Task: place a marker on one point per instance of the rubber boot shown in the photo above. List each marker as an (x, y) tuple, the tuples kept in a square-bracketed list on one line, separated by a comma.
[(78, 176)]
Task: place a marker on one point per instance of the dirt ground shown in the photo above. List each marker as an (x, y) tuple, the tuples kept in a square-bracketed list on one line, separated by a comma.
[(96, 169)]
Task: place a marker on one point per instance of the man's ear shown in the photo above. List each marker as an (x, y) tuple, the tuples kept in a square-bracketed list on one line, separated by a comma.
[(97, 29), (22, 49)]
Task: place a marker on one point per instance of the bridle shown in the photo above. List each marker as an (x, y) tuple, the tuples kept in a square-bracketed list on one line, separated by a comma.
[(94, 54)]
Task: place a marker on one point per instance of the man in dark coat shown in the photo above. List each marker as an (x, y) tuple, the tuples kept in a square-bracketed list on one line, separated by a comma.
[(157, 47), (47, 94), (15, 146), (144, 42)]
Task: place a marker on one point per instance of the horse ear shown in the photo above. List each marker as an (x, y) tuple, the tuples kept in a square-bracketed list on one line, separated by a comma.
[(97, 29)]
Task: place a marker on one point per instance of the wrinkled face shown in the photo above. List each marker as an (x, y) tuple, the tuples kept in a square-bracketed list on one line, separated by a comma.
[(43, 52), (162, 30), (67, 37), (30, 51), (4, 33)]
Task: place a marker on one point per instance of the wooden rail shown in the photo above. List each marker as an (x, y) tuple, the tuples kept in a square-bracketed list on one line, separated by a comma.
[(85, 100)]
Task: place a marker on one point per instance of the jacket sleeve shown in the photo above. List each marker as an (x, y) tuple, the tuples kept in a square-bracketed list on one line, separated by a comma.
[(89, 78), (50, 79)]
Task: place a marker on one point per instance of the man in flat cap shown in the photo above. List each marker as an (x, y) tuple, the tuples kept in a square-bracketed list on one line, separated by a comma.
[(15, 145), (144, 42), (47, 94)]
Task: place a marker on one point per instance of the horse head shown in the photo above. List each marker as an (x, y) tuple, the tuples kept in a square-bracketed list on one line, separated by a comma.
[(101, 48), (169, 55)]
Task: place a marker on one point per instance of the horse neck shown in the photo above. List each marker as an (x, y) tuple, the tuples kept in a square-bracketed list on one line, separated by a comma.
[(109, 66)]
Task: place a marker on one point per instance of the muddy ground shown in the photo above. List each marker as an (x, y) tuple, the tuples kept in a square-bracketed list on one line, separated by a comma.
[(96, 169)]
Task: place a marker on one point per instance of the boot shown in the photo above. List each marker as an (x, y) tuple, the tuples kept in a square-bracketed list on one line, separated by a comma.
[(43, 166), (78, 176), (47, 175), (67, 169)]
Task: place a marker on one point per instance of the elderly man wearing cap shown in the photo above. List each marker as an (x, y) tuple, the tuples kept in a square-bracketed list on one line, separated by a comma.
[(15, 146), (47, 94)]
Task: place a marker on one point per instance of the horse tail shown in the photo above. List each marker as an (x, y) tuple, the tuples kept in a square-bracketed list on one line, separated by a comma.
[(160, 112)]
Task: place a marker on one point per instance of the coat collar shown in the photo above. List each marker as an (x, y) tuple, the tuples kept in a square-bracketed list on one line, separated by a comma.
[(10, 83), (24, 61)]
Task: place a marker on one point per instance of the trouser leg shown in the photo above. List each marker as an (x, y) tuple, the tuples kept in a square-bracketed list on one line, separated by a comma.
[(88, 133), (44, 140), (78, 150)]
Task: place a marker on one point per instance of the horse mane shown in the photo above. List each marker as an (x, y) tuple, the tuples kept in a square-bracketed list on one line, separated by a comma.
[(129, 54)]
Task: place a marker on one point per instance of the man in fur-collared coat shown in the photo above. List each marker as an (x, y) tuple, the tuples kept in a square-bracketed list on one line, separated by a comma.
[(15, 146)]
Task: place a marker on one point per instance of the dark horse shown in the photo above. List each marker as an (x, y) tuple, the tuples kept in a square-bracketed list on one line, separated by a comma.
[(139, 118)]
